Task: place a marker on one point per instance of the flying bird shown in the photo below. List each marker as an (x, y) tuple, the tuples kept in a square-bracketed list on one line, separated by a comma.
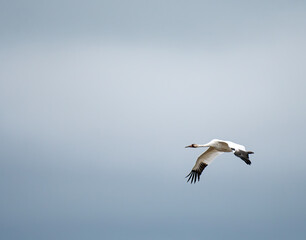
[(215, 148)]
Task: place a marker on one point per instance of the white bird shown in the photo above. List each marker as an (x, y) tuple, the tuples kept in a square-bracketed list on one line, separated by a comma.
[(215, 148)]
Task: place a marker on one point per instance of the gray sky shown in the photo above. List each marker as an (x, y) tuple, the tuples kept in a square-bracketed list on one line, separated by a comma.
[(98, 100)]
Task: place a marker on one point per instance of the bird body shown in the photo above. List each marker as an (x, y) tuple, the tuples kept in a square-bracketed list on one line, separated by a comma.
[(215, 148)]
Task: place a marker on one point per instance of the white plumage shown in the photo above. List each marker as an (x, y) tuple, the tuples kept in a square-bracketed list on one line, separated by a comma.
[(215, 148)]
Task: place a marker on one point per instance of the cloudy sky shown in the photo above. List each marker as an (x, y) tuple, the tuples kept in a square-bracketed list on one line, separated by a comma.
[(99, 98)]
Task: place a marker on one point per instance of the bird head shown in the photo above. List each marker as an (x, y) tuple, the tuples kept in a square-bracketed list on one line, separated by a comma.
[(192, 146)]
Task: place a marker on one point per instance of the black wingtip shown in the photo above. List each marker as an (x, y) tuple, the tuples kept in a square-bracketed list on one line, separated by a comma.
[(244, 155), (189, 175), (246, 160), (193, 176)]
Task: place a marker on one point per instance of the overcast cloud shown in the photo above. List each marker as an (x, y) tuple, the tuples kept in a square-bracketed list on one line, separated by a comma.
[(99, 98)]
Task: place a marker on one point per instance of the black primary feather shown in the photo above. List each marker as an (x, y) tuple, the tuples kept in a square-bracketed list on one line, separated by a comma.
[(243, 155), (196, 173)]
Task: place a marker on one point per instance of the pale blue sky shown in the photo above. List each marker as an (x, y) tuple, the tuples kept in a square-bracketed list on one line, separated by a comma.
[(99, 98)]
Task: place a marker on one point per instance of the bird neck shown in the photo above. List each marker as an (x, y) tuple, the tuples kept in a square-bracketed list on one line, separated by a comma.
[(203, 145)]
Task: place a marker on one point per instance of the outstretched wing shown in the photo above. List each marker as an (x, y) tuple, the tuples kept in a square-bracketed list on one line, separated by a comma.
[(244, 155), (202, 162), (239, 151)]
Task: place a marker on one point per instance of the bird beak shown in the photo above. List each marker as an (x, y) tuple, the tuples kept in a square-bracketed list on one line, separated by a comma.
[(188, 146)]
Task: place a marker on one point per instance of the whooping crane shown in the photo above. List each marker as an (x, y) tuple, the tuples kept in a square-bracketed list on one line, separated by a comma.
[(215, 148)]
